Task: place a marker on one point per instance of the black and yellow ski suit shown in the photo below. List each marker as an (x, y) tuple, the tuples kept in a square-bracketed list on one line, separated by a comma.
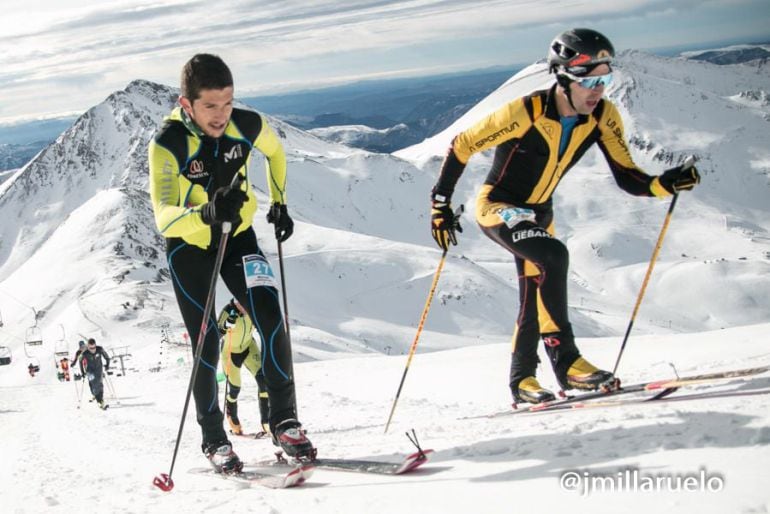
[(526, 169), (186, 168), (240, 349)]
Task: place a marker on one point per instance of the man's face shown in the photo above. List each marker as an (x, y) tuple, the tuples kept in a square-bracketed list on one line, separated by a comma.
[(584, 99), (211, 111)]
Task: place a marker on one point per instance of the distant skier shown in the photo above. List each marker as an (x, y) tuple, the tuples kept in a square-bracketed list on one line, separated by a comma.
[(78, 353), (193, 160), (240, 349), (64, 366), (539, 137), (92, 369)]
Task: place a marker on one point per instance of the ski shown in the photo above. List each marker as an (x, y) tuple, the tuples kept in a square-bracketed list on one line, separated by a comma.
[(405, 465), (296, 476), (251, 435), (662, 387)]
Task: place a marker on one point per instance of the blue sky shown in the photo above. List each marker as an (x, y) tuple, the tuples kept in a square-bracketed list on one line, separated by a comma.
[(64, 56)]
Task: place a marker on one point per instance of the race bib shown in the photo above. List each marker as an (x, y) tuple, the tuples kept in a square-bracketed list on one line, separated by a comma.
[(258, 272), (512, 216)]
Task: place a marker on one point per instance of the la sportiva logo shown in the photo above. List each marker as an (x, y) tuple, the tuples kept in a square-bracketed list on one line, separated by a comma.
[(493, 137)]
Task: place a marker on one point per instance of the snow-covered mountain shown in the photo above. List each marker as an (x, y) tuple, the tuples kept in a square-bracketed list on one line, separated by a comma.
[(734, 54), (361, 136), (713, 269), (76, 223)]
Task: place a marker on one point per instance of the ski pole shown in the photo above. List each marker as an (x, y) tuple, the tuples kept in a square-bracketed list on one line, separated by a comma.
[(112, 388), (82, 389), (687, 164), (417, 335), (164, 481), (79, 389), (285, 309), (283, 290), (227, 367)]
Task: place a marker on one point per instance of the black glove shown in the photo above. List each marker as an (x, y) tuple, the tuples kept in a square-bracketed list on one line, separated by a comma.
[(279, 216), (443, 223), (225, 206), (679, 178)]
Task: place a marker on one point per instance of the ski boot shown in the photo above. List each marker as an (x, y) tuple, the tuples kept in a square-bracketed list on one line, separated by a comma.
[(222, 457), (529, 390), (288, 434), (231, 412), (265, 432), (584, 375)]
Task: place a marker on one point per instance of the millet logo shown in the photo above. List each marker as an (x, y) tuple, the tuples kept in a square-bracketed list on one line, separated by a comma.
[(234, 153)]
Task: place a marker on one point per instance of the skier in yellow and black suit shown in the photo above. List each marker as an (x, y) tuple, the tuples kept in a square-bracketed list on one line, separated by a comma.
[(193, 159), (240, 349), (539, 138)]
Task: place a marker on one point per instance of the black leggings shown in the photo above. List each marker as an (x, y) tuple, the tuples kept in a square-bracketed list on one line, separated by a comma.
[(191, 269), (542, 262)]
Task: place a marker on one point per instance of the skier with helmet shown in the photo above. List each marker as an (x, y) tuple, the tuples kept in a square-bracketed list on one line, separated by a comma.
[(538, 139)]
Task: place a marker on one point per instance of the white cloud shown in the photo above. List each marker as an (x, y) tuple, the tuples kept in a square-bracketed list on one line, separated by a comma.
[(50, 44)]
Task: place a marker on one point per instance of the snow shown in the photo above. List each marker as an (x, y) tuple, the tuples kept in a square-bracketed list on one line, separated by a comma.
[(79, 257), (64, 457)]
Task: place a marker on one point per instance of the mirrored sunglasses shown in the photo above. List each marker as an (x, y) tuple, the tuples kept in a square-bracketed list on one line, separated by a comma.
[(592, 82)]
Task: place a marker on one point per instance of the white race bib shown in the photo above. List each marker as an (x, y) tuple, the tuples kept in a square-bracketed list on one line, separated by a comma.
[(257, 272)]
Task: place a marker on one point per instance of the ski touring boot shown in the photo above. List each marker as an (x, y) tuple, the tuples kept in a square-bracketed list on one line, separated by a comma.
[(265, 432), (231, 412), (529, 390), (288, 434), (222, 457), (587, 377)]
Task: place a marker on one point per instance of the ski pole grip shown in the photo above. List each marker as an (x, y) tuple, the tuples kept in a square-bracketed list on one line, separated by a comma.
[(236, 182)]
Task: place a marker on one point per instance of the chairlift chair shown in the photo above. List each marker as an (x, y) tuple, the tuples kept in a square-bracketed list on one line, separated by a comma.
[(33, 339), (5, 356)]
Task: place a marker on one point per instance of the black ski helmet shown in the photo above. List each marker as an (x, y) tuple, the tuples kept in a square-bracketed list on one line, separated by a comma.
[(578, 51)]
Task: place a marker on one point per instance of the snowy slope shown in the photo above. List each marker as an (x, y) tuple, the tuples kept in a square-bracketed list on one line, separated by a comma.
[(63, 458)]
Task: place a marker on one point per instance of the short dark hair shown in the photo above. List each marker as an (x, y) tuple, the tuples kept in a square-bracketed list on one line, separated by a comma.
[(204, 71)]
